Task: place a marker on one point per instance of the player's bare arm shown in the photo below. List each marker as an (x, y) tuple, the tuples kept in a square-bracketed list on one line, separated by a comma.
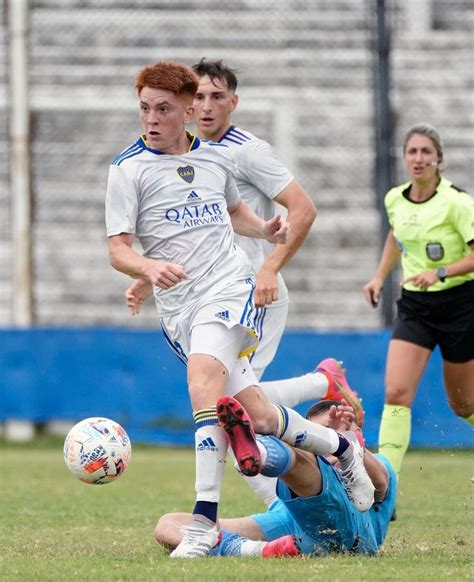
[(390, 257), (124, 259), (301, 215), (246, 223), (377, 473)]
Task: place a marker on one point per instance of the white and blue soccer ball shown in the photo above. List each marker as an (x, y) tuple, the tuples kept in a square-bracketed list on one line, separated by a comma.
[(97, 450)]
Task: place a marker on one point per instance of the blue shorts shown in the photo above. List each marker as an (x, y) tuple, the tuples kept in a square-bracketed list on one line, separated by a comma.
[(327, 522)]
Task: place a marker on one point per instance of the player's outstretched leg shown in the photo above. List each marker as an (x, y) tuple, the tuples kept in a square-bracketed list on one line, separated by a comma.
[(320, 440), (281, 547), (339, 387), (236, 545), (237, 425), (355, 478), (300, 433)]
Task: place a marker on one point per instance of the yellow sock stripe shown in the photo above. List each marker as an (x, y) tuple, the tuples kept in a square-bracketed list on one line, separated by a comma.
[(205, 417), (283, 420), (205, 414)]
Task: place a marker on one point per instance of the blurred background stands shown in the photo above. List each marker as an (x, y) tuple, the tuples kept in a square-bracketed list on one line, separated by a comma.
[(306, 86)]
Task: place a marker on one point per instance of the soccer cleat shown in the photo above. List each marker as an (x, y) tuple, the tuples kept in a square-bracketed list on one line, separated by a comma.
[(237, 425), (280, 548), (358, 485), (198, 540), (339, 388)]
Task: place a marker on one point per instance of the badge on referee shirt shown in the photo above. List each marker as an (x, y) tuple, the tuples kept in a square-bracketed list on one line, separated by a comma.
[(435, 251)]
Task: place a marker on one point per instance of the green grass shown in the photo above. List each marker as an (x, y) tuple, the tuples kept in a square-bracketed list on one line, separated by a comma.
[(54, 527)]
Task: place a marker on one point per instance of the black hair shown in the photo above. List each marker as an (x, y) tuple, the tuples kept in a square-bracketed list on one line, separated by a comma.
[(217, 70), (320, 407)]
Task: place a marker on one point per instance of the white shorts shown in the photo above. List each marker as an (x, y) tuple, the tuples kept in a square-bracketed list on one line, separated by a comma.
[(235, 310), (216, 340), (270, 323)]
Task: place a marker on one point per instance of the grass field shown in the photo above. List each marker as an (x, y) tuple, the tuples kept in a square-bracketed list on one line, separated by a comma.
[(54, 527)]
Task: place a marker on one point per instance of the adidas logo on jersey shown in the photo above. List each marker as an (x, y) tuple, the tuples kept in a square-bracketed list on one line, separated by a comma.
[(193, 197), (223, 315), (207, 445)]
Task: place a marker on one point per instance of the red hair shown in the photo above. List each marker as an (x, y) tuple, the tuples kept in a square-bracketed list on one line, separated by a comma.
[(169, 76)]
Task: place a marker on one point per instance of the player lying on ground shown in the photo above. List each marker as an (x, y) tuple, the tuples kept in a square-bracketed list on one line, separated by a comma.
[(313, 513)]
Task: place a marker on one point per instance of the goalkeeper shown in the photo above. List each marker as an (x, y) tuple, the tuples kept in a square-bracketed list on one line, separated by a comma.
[(313, 513)]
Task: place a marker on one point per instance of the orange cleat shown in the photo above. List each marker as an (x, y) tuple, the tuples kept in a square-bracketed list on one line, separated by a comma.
[(238, 428), (339, 388), (281, 548)]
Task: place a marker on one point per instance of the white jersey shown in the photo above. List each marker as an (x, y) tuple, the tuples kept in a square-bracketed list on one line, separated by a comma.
[(176, 205), (260, 177)]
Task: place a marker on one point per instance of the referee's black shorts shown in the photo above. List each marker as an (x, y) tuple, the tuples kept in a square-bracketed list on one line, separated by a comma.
[(444, 318)]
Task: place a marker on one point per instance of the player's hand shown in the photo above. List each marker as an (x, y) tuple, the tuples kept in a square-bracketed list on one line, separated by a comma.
[(341, 417), (137, 294), (163, 274), (422, 280), (266, 287), (276, 230), (372, 291)]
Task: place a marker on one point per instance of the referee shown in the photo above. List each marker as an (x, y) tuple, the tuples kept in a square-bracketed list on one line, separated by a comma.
[(432, 231)]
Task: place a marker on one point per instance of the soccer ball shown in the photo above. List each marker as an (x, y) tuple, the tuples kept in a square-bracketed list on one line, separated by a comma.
[(97, 450)]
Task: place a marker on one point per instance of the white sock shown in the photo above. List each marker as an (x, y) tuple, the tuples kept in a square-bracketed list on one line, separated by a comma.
[(294, 391), (263, 452), (263, 487), (304, 434), (251, 549), (211, 450)]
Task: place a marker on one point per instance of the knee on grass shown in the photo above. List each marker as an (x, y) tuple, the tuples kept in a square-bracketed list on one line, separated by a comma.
[(168, 529)]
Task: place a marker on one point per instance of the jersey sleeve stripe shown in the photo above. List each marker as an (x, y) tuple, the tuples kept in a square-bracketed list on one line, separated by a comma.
[(130, 153), (125, 152), (236, 140), (237, 133)]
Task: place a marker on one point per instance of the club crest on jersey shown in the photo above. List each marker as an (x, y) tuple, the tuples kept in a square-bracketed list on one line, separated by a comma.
[(186, 173)]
